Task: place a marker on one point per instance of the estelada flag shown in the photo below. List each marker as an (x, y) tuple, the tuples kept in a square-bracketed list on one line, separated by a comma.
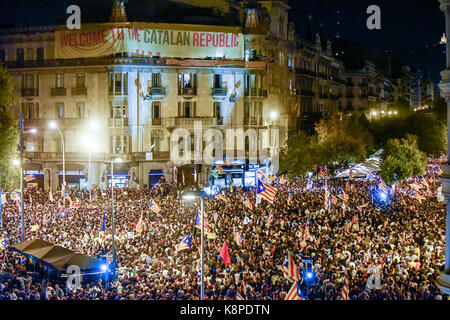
[(225, 255)]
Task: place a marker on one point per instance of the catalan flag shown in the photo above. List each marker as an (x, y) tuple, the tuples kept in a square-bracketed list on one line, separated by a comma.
[(438, 170), (221, 197), (195, 174), (248, 203), (295, 293), (417, 196), (219, 169), (269, 219), (346, 289), (283, 180), (154, 207), (265, 191), (290, 270), (198, 223), (289, 199), (140, 224), (238, 296), (237, 236), (184, 245), (382, 185), (306, 234), (342, 195), (359, 208)]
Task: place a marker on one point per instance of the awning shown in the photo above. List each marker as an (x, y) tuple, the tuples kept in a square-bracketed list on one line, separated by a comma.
[(58, 257)]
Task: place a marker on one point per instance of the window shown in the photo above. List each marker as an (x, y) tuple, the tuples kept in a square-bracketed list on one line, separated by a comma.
[(156, 109), (155, 143), (118, 83), (119, 144), (28, 81), (60, 110), (40, 54), (2, 55), (216, 110), (187, 80), (81, 112), (118, 110), (80, 82), (217, 81), (186, 109), (59, 79), (19, 55), (156, 80)]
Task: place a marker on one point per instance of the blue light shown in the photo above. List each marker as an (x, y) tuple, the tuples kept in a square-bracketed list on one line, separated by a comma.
[(104, 267), (309, 275), (383, 196)]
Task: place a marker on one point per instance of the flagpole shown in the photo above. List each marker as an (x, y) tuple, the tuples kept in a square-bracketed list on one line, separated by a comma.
[(21, 178), (203, 250), (112, 212)]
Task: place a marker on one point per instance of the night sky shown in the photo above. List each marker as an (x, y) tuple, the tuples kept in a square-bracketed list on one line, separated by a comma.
[(410, 30)]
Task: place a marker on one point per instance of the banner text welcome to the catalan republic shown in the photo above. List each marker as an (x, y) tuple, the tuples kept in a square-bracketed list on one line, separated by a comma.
[(150, 40)]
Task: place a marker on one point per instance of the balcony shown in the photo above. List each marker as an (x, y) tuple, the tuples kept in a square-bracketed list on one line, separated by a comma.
[(118, 122), (256, 92), (305, 72), (190, 92), (189, 122), (118, 92), (150, 156), (58, 92), (219, 121), (156, 121), (220, 93), (155, 93), (30, 92), (79, 91), (253, 121), (307, 93)]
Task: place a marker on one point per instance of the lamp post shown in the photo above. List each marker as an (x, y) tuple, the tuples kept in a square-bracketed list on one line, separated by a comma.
[(89, 143), (33, 131), (444, 280), (191, 196), (53, 125), (118, 159)]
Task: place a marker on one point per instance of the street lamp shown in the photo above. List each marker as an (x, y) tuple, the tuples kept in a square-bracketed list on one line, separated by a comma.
[(89, 143), (53, 125), (33, 131), (191, 196), (117, 160)]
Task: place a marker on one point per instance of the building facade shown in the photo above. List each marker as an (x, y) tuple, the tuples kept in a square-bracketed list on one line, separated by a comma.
[(136, 103)]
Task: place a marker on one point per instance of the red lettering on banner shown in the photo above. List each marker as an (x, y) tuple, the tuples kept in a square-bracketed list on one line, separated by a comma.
[(195, 40), (222, 40), (208, 39), (236, 40), (202, 39), (63, 39), (226, 42), (158, 54)]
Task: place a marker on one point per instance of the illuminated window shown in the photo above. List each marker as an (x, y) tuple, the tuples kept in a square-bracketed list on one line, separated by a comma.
[(59, 80)]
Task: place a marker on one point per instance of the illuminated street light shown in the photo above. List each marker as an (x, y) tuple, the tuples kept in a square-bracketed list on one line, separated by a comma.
[(16, 162), (274, 115)]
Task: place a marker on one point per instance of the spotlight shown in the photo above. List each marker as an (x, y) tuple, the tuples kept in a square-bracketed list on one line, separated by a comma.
[(104, 267), (309, 275)]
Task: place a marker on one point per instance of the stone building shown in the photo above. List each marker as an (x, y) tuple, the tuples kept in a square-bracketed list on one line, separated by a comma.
[(138, 99)]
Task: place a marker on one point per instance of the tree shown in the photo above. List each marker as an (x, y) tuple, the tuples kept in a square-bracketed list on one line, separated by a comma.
[(343, 139), (402, 105), (9, 132), (402, 157), (431, 133), (300, 154), (440, 108)]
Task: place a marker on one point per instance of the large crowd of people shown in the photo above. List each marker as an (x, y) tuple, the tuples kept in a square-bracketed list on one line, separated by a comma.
[(401, 236)]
